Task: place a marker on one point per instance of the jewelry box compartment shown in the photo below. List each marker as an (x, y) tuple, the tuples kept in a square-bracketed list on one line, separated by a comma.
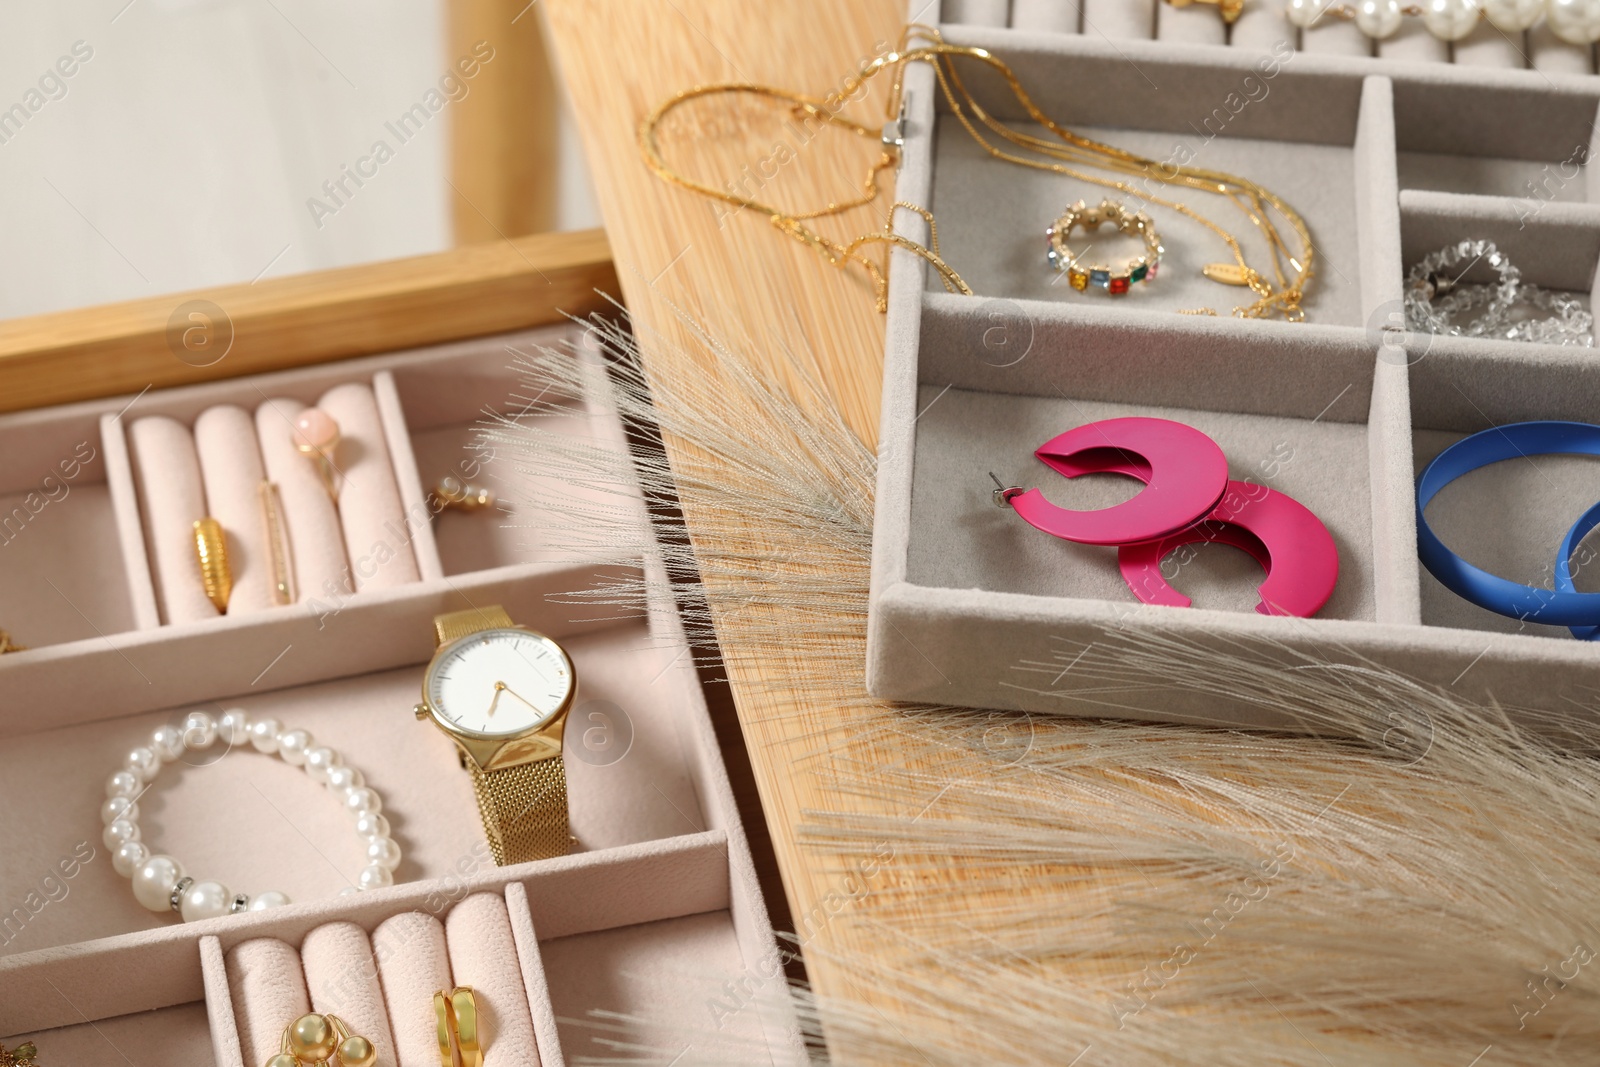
[(121, 642), (971, 607), (656, 933), (1319, 137)]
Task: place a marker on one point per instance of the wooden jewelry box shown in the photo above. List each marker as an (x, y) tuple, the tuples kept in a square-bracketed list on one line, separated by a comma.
[(653, 914), (1387, 162)]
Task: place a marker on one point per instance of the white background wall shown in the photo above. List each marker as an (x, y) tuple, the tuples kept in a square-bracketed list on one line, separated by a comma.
[(185, 149)]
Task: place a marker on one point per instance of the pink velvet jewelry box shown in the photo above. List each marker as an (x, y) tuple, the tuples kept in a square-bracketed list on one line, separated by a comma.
[(653, 914)]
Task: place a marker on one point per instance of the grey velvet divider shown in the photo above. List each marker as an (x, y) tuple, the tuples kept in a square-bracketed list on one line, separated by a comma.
[(971, 606), (1263, 22)]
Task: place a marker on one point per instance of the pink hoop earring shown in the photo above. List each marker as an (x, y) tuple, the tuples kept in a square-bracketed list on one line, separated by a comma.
[(1280, 533), (1184, 471)]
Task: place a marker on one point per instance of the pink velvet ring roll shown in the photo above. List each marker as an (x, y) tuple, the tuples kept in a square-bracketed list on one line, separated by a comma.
[(171, 498), (269, 993), (413, 963), (230, 465), (377, 540), (342, 975), (483, 955), (315, 543)]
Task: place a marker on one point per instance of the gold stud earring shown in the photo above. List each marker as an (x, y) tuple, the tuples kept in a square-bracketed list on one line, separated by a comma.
[(323, 1041)]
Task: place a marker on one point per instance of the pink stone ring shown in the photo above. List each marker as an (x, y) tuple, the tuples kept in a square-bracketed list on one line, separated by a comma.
[(316, 436)]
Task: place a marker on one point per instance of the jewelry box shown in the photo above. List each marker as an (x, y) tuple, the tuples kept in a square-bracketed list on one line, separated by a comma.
[(656, 913), (1387, 161)]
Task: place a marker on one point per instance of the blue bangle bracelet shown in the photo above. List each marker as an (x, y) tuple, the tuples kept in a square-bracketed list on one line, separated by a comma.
[(1569, 548), (1517, 440)]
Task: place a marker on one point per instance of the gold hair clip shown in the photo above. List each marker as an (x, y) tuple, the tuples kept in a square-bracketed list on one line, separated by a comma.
[(23, 1054), (452, 492), (325, 1041), (211, 548), (279, 554), (1230, 10), (460, 1039)]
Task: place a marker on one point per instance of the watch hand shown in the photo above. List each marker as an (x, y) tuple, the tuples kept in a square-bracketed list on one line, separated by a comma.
[(499, 687), (520, 697)]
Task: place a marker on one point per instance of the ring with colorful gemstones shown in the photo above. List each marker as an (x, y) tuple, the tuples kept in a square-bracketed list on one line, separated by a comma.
[(159, 882), (1081, 275)]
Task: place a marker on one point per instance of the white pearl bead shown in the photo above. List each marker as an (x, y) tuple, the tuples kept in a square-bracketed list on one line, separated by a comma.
[(1513, 16), (205, 900), (154, 881), (1450, 20), (119, 808), (128, 857), (374, 877), (371, 824), (292, 745), (199, 730), (1303, 13), (167, 742), (341, 778), (1574, 21), (117, 831), (1378, 18), (358, 798), (319, 761), (270, 899), (264, 735), (384, 852), (143, 762), (124, 784), (234, 726)]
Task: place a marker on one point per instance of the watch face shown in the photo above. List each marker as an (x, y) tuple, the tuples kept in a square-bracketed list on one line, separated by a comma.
[(499, 683)]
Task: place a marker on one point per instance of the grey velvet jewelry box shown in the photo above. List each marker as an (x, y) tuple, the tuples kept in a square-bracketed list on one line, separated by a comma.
[(1387, 162)]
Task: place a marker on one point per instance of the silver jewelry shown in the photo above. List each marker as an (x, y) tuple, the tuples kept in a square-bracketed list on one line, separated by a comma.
[(1437, 301)]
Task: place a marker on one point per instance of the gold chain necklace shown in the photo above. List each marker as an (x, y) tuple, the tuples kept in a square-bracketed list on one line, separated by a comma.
[(1249, 197)]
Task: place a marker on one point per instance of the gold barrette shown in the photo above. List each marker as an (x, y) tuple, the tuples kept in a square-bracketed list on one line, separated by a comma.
[(9, 645), (452, 492), (279, 554), (325, 1041), (1230, 10), (211, 548), (23, 1054), (460, 1039)]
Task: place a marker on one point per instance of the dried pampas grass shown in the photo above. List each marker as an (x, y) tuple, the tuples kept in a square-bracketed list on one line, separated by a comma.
[(1013, 889)]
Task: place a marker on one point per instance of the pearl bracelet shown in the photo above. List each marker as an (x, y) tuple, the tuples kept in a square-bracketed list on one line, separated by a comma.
[(1574, 21), (159, 882)]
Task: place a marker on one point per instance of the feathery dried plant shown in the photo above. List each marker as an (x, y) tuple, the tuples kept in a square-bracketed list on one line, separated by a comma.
[(1028, 889)]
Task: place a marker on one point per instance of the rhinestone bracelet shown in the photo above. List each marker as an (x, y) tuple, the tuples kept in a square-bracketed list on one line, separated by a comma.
[(1436, 300), (159, 882)]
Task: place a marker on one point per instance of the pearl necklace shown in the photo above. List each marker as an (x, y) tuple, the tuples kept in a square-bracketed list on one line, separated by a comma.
[(159, 882), (1574, 21)]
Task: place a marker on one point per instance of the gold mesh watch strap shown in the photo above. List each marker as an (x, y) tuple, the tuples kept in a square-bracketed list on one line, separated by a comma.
[(453, 625), (524, 809)]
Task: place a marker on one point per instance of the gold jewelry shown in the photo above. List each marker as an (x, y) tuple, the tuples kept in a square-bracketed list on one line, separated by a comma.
[(316, 436), (452, 492), (1230, 10), (22, 1055), (1250, 198), (211, 548), (1132, 223), (518, 774), (323, 1041), (8, 645), (279, 553), (461, 1040)]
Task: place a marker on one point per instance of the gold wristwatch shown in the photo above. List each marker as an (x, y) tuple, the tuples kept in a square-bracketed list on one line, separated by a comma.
[(501, 692)]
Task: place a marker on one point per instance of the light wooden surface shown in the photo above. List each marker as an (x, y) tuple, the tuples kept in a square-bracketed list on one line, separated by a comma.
[(743, 281), (235, 330), (505, 137)]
